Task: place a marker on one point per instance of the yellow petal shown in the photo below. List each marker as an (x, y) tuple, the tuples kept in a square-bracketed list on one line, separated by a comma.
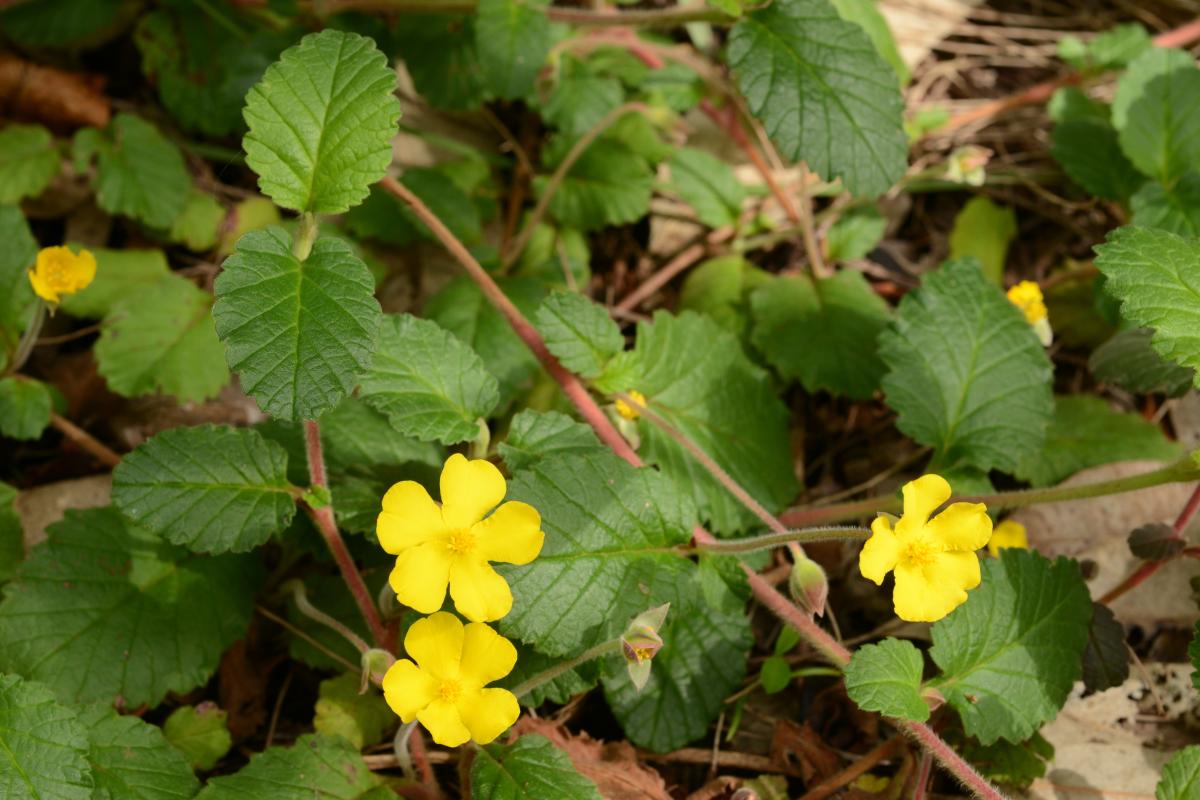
[(85, 270), (486, 655), (409, 517), (420, 577), (488, 713), (926, 594), (41, 288), (470, 489), (962, 527), (1008, 533), (445, 725), (923, 496), (479, 593), (881, 552), (436, 644), (513, 534), (407, 689)]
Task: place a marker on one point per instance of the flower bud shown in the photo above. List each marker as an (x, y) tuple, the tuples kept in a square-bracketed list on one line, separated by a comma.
[(808, 585), (967, 165), (375, 664), (641, 642)]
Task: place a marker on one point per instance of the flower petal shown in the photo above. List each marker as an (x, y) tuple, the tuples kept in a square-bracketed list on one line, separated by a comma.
[(444, 723), (488, 713), (1008, 533), (881, 552), (407, 689), (479, 593), (41, 288), (923, 496), (85, 270), (436, 644), (513, 534), (420, 576), (409, 517), (470, 489), (963, 527), (926, 594), (486, 655)]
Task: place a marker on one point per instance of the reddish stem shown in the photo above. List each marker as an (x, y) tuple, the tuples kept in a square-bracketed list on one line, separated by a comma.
[(1145, 570), (922, 777), (728, 122), (323, 517), (79, 436)]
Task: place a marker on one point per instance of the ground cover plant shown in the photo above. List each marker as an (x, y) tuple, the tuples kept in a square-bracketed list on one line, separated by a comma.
[(513, 400)]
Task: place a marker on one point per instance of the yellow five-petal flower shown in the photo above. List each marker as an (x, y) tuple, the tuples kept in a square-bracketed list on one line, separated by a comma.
[(934, 559), (58, 271), (451, 545), (444, 688), (1008, 533)]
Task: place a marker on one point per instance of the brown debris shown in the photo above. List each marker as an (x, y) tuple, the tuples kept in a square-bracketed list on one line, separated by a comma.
[(55, 97), (613, 766)]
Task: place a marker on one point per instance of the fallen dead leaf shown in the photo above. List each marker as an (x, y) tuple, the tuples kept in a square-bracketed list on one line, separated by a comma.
[(45, 505), (612, 765)]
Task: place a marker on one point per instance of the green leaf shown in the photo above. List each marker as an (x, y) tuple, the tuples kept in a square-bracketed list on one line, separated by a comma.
[(314, 768), (536, 435), (25, 406), (198, 225), (1153, 63), (1106, 656), (321, 123), (1128, 360), (513, 38), (722, 288), (106, 611), (139, 172), (429, 384), (29, 160), (559, 689), (161, 339), (1016, 765), (702, 662), (360, 719), (579, 333), (385, 218), (440, 53), (967, 374), (200, 733), (793, 313), (823, 93), (1161, 135), (12, 538), (1175, 208), (1153, 273), (211, 489), (1111, 49), (866, 14), (58, 22), (708, 185), (1181, 776), (696, 377), (1011, 653), (855, 234), (886, 677), (531, 768), (131, 760), (1194, 655), (984, 230), (119, 274), (18, 251), (43, 746), (580, 99), (608, 185), (775, 675), (297, 333)]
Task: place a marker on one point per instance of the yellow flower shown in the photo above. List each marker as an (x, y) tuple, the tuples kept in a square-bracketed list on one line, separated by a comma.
[(626, 410), (1027, 296), (451, 545), (444, 689), (934, 559), (1009, 533), (58, 271)]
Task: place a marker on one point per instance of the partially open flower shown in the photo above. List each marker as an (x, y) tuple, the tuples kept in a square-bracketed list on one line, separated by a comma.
[(1027, 296), (641, 642), (58, 272)]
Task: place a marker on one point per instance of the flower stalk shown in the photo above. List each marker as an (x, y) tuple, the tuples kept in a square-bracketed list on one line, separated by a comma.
[(611, 647), (827, 533)]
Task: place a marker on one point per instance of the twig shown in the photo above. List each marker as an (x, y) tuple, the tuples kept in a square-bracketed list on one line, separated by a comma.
[(726, 759), (283, 690), (685, 259), (79, 436), (848, 775), (295, 631)]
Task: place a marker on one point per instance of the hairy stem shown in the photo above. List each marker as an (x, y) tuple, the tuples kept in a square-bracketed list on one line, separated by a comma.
[(769, 540), (550, 673), (300, 596)]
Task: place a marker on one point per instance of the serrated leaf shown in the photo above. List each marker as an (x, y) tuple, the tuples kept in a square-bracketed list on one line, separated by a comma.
[(1175, 208), (119, 274), (1011, 653), (211, 489), (708, 185), (535, 435), (108, 612), (1088, 151), (513, 38), (608, 185), (721, 288), (531, 768), (822, 92), (139, 172), (1106, 656), (321, 123), (43, 746), (440, 54), (429, 384), (1181, 776), (341, 710), (855, 234), (1154, 63), (581, 98), (842, 313), (198, 225), (29, 160), (696, 377), (1161, 135), (25, 406), (200, 733), (12, 538), (579, 333), (984, 230), (1128, 360), (131, 760), (866, 14), (297, 333), (18, 251), (1085, 432), (967, 374), (1011, 764), (886, 677), (314, 768)]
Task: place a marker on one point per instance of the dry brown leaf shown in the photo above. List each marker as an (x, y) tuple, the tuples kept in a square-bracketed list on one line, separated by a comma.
[(60, 99), (45, 505), (613, 766)]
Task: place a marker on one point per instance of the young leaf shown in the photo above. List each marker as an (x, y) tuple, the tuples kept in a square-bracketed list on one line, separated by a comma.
[(1181, 776), (18, 251), (360, 719), (513, 38), (967, 374), (708, 185), (119, 274), (722, 288), (297, 333), (579, 333), (984, 230), (1106, 656), (25, 407), (1162, 132), (44, 745), (822, 91), (1128, 360), (855, 234), (1175, 208), (429, 384), (581, 98), (531, 768), (29, 160), (608, 185), (131, 760), (1153, 63), (321, 123), (1011, 653), (211, 489), (200, 733), (535, 435), (886, 677), (142, 617), (314, 768), (198, 225)]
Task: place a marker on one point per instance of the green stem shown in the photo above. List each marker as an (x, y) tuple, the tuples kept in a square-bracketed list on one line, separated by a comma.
[(300, 596), (306, 234), (28, 339), (768, 540), (547, 675)]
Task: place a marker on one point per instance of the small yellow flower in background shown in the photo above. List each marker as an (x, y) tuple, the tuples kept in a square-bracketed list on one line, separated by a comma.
[(59, 272), (934, 559), (445, 688), (1027, 296), (450, 545), (1008, 533), (626, 410)]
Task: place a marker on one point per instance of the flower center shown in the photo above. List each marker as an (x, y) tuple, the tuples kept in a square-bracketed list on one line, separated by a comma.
[(643, 653), (461, 542), (918, 553), (56, 272), (449, 690)]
